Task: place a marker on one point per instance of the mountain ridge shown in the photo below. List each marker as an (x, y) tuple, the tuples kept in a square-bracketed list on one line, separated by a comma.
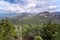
[(36, 18)]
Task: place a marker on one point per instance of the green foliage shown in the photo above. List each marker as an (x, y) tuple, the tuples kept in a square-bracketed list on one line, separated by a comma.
[(48, 31), (38, 38), (45, 31), (30, 31), (7, 30)]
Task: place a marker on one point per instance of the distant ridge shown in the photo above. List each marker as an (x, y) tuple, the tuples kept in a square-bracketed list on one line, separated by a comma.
[(26, 18)]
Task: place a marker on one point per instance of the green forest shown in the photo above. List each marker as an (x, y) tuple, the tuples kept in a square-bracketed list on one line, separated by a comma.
[(44, 31)]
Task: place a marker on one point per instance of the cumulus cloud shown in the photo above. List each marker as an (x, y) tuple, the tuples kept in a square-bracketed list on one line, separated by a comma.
[(32, 6), (8, 7)]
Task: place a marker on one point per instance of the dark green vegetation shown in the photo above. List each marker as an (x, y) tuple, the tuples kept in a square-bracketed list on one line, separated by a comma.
[(7, 30), (49, 31), (42, 26)]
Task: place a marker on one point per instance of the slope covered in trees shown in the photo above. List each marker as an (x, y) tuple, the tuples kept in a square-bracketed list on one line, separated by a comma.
[(32, 28)]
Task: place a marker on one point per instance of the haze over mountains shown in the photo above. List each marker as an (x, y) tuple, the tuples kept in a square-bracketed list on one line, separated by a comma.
[(9, 15), (31, 17), (2, 15)]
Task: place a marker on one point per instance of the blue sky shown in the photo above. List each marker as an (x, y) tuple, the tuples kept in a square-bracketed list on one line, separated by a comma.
[(31, 6)]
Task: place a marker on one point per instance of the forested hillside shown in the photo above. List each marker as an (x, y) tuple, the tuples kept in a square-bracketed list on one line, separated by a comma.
[(27, 26), (42, 31)]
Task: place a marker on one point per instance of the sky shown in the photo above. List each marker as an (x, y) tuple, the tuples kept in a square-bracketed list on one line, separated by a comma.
[(30, 6)]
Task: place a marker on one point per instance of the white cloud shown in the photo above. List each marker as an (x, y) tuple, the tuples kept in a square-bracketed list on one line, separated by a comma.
[(33, 6), (8, 7), (51, 7)]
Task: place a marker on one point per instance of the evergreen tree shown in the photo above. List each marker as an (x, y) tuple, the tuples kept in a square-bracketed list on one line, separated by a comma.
[(7, 30), (49, 30)]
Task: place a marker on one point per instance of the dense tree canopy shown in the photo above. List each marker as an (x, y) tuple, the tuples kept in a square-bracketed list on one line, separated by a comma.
[(7, 30), (45, 31)]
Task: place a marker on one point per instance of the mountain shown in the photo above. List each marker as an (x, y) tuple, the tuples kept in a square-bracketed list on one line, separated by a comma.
[(12, 15), (27, 18), (21, 16), (57, 13)]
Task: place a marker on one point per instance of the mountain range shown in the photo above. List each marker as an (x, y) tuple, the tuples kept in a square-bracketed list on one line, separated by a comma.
[(27, 18)]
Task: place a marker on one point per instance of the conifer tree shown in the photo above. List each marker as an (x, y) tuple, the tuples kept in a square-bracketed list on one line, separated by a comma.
[(7, 30)]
